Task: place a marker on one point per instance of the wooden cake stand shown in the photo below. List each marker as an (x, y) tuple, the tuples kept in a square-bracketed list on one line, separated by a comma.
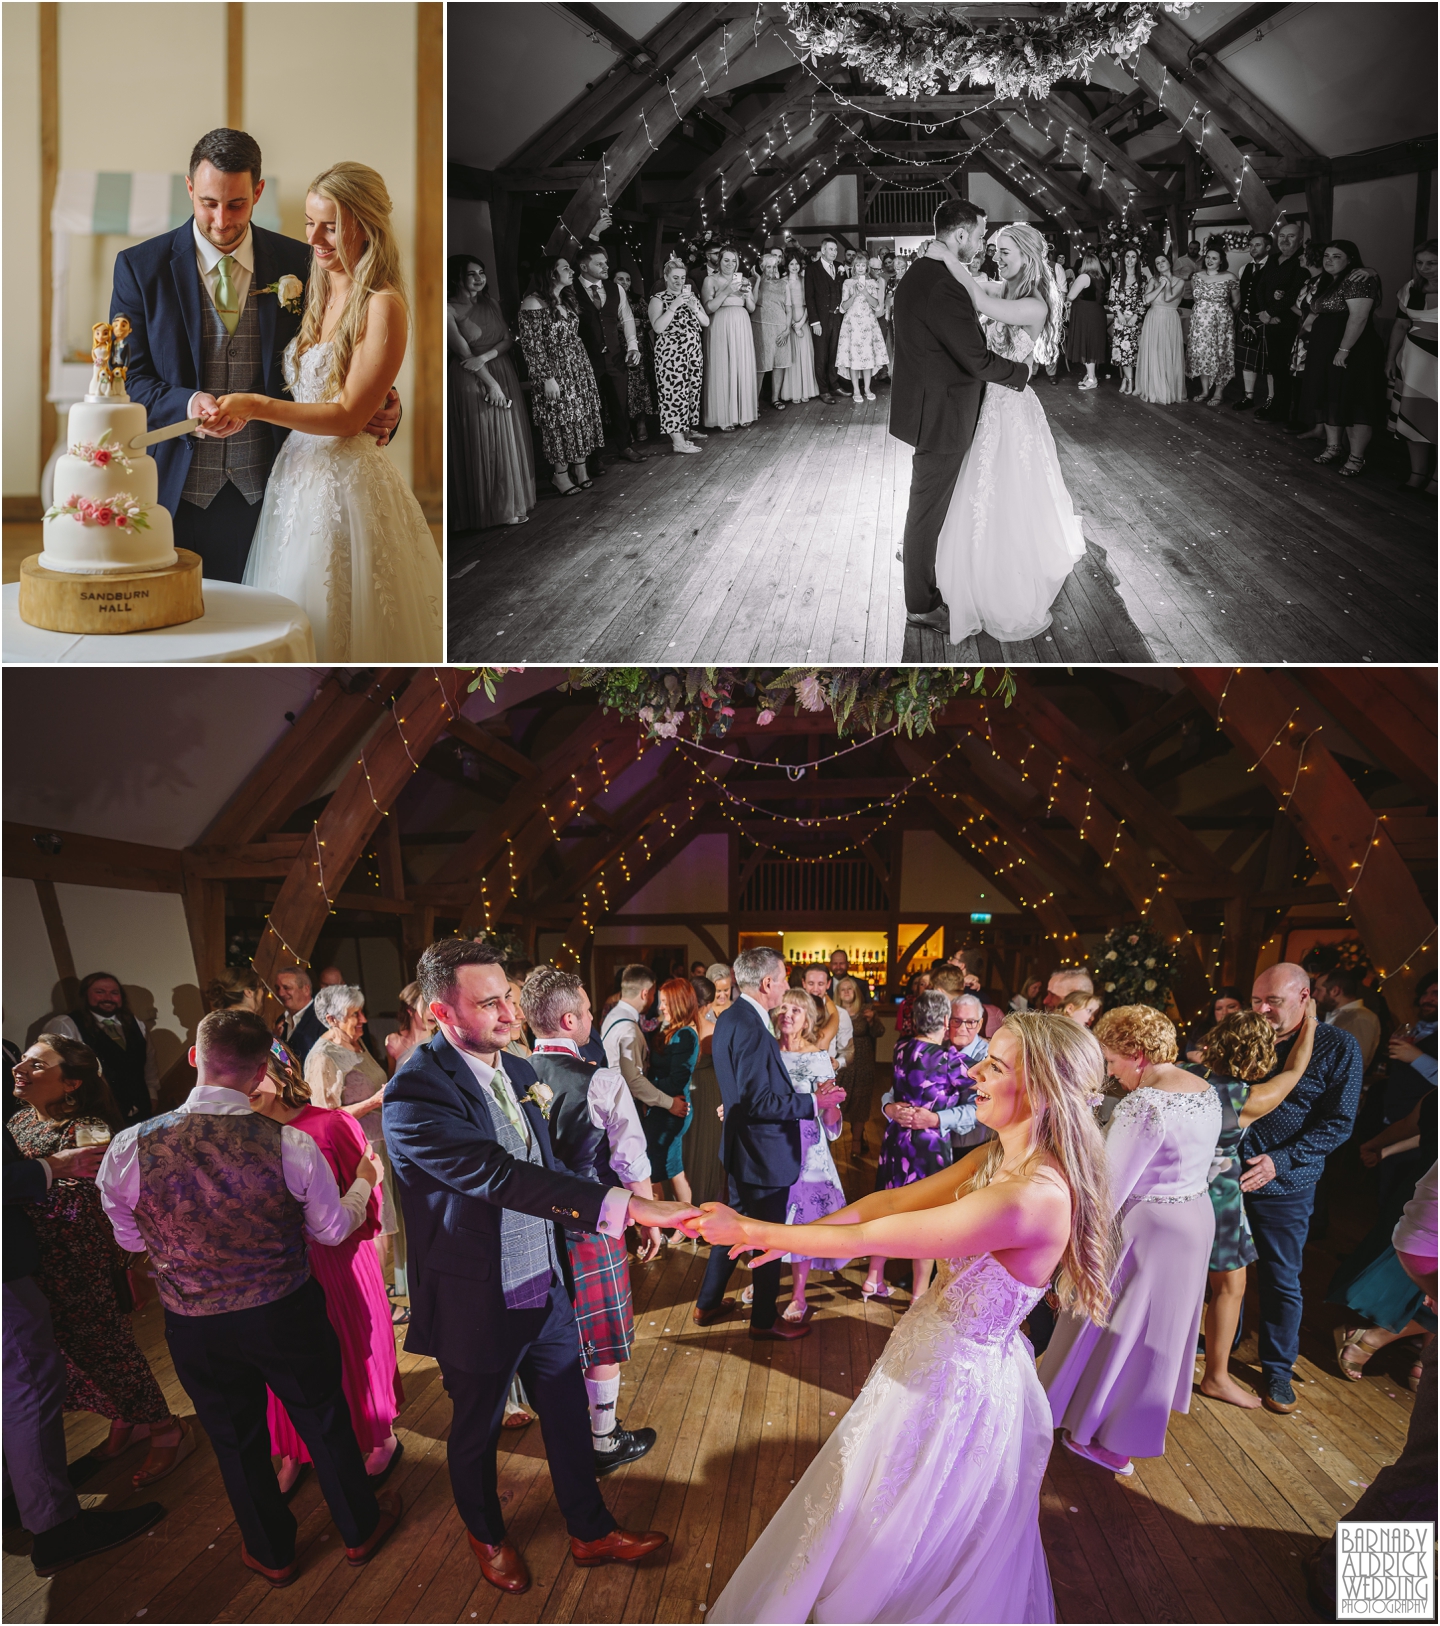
[(118, 601)]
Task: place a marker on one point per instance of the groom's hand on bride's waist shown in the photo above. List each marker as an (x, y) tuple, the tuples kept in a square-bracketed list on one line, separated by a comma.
[(383, 424)]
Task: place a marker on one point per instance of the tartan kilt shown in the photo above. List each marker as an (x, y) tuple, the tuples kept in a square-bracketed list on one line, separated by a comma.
[(604, 1313), (1250, 357)]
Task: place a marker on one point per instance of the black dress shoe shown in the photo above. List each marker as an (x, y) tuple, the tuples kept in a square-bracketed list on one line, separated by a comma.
[(632, 456), (1243, 404), (828, 399), (377, 1480), (90, 1532), (939, 618), (1267, 413), (628, 1448)]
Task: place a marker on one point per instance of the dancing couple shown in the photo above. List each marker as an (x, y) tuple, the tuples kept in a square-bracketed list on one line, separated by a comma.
[(924, 1504), (290, 494), (990, 534)]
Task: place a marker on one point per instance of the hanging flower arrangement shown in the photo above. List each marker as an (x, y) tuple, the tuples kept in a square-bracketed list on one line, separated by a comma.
[(1134, 966), (923, 50), (670, 702)]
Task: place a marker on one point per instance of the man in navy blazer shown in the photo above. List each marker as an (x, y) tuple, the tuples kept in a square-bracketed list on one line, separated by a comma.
[(483, 1197), (760, 1141), (182, 291)]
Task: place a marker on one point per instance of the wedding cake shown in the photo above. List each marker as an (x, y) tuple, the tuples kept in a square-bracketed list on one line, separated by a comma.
[(107, 516)]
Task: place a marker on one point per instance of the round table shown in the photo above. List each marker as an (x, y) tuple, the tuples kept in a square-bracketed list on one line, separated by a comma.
[(239, 624)]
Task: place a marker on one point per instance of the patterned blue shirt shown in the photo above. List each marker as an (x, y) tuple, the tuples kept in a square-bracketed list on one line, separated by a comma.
[(1315, 1118)]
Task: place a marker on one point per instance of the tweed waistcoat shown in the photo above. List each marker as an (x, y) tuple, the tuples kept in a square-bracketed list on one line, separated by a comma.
[(219, 1222), (231, 363), (577, 1141), (528, 1261)]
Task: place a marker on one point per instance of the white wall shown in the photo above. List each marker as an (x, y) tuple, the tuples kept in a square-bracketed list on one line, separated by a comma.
[(20, 21), (1379, 218), (998, 202), (836, 204), (695, 881), (31, 982), (935, 877)]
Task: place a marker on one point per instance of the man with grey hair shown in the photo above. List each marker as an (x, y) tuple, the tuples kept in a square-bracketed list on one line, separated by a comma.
[(1069, 979), (760, 1142), (1285, 1154), (300, 1028)]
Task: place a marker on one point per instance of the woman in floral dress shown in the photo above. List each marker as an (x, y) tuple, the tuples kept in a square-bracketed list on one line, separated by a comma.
[(676, 318), (639, 402), (861, 351), (1211, 352), (565, 399), (929, 1073), (1238, 1053), (82, 1267), (1125, 305), (771, 322)]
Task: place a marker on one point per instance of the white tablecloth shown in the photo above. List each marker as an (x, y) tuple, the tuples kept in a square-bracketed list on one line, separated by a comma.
[(239, 624)]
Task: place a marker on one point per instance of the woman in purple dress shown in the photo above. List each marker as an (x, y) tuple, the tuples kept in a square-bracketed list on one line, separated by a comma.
[(929, 1073)]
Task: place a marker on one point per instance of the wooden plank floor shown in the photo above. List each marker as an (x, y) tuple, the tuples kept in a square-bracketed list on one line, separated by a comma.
[(1211, 538), (1213, 1531)]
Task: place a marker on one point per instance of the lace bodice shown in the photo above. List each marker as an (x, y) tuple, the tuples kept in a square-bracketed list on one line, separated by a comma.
[(307, 381), (1014, 343), (979, 1299)]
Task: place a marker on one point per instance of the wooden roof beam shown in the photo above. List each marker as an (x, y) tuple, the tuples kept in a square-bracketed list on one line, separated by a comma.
[(797, 89), (1143, 191), (1003, 143)]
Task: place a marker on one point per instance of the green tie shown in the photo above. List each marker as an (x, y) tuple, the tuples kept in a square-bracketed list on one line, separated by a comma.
[(507, 1105), (225, 294)]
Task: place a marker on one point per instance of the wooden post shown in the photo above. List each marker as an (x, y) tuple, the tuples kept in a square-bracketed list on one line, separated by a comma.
[(60, 952), (1319, 197), (49, 169), (235, 65), (427, 417), (204, 902)]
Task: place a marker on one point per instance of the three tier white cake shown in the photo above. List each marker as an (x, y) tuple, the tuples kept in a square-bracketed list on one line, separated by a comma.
[(107, 515)]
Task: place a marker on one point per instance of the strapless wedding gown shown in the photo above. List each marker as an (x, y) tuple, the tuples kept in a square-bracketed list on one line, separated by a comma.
[(342, 535), (924, 1504), (1011, 535)]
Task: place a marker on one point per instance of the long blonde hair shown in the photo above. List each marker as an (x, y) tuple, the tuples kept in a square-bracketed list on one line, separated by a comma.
[(1036, 279), (1063, 1069), (357, 191)]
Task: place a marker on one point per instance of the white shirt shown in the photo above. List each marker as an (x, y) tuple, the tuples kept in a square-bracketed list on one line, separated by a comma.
[(329, 1217), (1415, 1232), (612, 1108), (66, 1027), (1358, 1020), (242, 273), (764, 1014), (293, 1022), (844, 1034), (616, 1202), (626, 1049)]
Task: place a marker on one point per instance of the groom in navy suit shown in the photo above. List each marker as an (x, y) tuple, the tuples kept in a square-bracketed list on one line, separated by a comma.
[(760, 1143), (204, 325), (485, 1204)]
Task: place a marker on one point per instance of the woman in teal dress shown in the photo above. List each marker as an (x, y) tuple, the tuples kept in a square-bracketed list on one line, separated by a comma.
[(672, 1067), (1239, 1054)]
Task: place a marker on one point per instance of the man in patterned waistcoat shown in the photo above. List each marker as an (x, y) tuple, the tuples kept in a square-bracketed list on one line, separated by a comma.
[(485, 1205), (223, 1200), (207, 323)]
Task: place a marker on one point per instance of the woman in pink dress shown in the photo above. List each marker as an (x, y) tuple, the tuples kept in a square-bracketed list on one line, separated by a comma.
[(354, 1287)]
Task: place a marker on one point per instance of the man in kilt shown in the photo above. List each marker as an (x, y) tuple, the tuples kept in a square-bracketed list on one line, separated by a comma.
[(595, 1132), (1250, 335)]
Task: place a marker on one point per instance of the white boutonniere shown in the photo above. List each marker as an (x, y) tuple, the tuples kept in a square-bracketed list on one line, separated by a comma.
[(540, 1095), (289, 290)]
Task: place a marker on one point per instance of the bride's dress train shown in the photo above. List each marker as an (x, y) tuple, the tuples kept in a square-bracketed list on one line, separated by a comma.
[(342, 535), (923, 1505), (1011, 535)]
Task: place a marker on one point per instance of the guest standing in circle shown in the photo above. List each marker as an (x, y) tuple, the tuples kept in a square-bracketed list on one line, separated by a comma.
[(701, 1145), (824, 288), (731, 398), (67, 1104), (492, 462), (672, 1068), (1410, 365), (676, 318), (1160, 363), (816, 1191), (1250, 332), (1226, 1001), (237, 988), (798, 382), (1085, 311), (349, 1273), (1237, 1055), (861, 350), (866, 1028), (1344, 383), (929, 1075), (1211, 356), (1303, 424), (567, 403), (417, 1026), (639, 402), (1112, 1388), (774, 336), (1125, 307)]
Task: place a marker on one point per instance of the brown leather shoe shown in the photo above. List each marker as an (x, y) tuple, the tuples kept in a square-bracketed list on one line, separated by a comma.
[(390, 1506), (782, 1329), (276, 1578), (501, 1566), (619, 1547), (704, 1318)]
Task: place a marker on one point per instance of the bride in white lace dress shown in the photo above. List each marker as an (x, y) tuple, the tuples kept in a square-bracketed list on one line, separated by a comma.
[(340, 531), (924, 1504), (1011, 535)]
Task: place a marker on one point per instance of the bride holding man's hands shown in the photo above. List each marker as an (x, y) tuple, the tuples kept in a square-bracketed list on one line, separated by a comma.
[(924, 1503)]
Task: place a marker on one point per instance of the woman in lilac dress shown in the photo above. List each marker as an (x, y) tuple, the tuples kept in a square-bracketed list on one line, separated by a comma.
[(1112, 1388), (928, 1073), (349, 1272)]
